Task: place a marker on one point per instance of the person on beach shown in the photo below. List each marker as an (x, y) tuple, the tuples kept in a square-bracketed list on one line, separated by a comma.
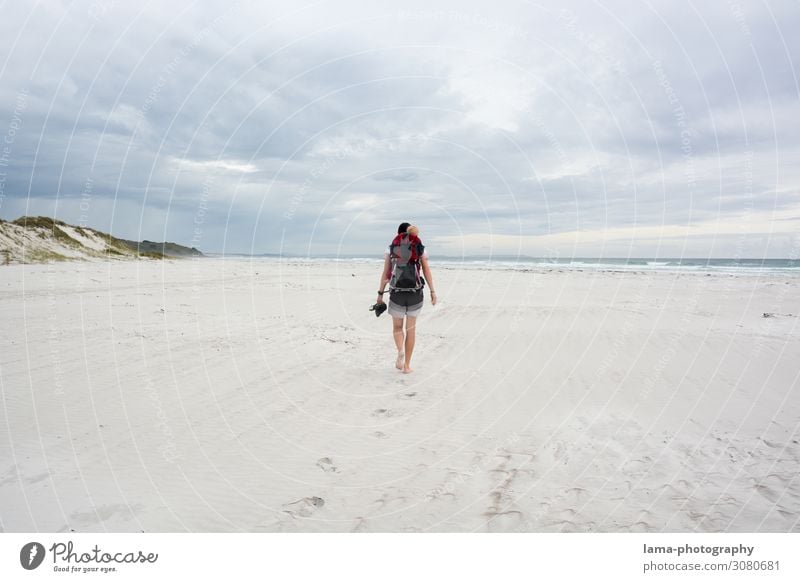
[(403, 260)]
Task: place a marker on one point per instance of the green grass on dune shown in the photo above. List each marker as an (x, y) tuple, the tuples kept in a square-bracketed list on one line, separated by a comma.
[(46, 227), (44, 256), (46, 223)]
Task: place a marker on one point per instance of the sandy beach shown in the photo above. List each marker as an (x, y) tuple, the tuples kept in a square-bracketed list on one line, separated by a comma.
[(260, 396)]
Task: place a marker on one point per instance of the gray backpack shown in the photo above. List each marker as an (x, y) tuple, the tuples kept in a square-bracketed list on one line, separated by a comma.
[(406, 252)]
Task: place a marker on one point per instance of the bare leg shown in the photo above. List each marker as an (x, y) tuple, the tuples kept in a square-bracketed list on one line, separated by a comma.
[(397, 333), (411, 336)]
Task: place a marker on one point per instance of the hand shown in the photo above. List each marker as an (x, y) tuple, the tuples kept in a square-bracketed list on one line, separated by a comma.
[(380, 299), (433, 298)]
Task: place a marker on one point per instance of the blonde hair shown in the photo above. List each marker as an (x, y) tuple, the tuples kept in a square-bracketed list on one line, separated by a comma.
[(412, 230)]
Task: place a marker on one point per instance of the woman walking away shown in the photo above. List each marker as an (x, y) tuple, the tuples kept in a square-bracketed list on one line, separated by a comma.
[(403, 260)]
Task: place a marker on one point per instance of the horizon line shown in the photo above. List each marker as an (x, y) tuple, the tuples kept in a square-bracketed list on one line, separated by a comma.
[(500, 256)]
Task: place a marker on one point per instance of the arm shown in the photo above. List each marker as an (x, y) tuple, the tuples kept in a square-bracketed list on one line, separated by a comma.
[(426, 271), (385, 273)]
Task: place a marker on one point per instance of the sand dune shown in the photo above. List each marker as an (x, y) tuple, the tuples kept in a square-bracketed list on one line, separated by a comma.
[(222, 395), (40, 239)]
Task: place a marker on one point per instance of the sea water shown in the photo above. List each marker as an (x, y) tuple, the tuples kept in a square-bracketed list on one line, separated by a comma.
[(524, 263)]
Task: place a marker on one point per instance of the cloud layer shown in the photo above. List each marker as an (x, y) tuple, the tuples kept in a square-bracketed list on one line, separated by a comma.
[(584, 129)]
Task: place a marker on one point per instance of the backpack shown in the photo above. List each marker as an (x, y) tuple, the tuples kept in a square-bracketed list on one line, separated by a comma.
[(406, 251)]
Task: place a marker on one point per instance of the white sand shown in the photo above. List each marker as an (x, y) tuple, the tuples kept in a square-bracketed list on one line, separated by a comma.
[(211, 395), (86, 237)]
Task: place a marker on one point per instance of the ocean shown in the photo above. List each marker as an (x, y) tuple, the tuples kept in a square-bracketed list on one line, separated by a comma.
[(505, 262)]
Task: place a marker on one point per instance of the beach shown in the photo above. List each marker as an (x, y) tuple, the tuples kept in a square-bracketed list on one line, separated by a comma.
[(260, 395)]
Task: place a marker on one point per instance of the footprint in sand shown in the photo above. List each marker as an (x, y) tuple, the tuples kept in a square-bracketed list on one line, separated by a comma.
[(785, 513), (575, 494), (767, 492), (637, 466), (407, 395), (327, 465), (380, 435), (383, 413), (560, 452), (304, 507), (504, 521)]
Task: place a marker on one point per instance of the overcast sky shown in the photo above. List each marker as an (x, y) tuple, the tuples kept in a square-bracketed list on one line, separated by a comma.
[(578, 129)]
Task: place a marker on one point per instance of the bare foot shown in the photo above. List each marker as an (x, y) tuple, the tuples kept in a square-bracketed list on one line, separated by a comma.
[(401, 357), (407, 370)]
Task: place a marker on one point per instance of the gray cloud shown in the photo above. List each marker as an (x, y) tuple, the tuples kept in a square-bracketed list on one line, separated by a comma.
[(321, 126)]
